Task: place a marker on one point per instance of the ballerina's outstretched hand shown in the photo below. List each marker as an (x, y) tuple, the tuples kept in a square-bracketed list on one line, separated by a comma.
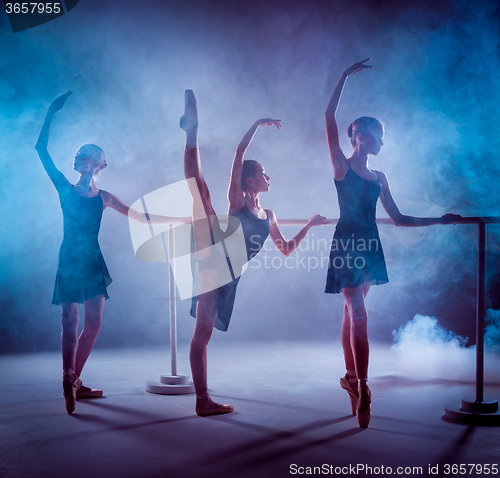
[(58, 103), (269, 122), (318, 220), (357, 67)]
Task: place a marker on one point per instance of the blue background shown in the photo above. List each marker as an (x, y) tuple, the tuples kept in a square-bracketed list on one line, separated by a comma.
[(434, 84)]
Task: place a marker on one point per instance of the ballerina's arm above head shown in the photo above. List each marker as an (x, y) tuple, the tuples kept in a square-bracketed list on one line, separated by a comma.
[(408, 221), (235, 194), (337, 157), (287, 247), (118, 205), (58, 178)]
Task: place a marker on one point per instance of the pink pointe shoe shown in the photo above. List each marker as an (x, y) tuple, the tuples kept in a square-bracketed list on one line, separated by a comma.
[(350, 386), (189, 120), (364, 405), (204, 408), (70, 389), (86, 392)]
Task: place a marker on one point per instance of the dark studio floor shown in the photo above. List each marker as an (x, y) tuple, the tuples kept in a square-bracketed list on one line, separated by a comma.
[(289, 409)]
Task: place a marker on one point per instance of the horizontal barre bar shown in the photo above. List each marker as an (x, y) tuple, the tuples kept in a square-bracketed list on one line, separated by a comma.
[(462, 220), (303, 222)]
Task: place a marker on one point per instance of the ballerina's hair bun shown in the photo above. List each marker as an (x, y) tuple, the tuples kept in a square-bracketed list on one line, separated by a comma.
[(349, 131)]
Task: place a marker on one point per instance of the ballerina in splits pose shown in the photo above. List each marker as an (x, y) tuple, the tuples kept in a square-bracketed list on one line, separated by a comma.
[(356, 256), (82, 275), (248, 179)]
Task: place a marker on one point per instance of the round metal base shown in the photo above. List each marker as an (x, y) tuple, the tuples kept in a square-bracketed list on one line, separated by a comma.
[(471, 411), (171, 385)]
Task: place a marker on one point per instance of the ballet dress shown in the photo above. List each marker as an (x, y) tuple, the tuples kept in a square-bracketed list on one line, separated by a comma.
[(255, 232), (81, 272), (356, 254)]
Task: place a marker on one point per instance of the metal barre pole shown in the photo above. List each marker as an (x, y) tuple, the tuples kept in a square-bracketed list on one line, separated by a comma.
[(173, 384), (173, 303), (481, 265)]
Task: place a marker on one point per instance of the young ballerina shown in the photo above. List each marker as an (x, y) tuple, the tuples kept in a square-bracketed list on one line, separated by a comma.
[(82, 275), (247, 180), (357, 264)]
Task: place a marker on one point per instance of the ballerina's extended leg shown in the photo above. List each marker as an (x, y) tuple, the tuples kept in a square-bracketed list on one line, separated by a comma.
[(206, 310)]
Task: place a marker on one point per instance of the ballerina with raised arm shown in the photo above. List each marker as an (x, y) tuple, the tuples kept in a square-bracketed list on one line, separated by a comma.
[(82, 275), (356, 256), (248, 179)]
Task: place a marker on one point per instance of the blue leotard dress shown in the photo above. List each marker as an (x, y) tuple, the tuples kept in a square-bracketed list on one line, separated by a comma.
[(81, 273), (255, 231), (356, 254)]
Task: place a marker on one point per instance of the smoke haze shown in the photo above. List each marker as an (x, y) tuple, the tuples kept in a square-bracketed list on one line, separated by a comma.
[(425, 350)]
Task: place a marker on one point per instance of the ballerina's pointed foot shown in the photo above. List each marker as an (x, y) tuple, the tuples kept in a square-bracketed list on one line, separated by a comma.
[(206, 407), (86, 392), (364, 405), (189, 120), (350, 386), (71, 384)]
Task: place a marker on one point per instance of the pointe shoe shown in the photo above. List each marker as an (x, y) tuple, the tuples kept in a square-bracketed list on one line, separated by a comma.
[(346, 384), (70, 387), (189, 120), (214, 408), (364, 406), (86, 392)]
